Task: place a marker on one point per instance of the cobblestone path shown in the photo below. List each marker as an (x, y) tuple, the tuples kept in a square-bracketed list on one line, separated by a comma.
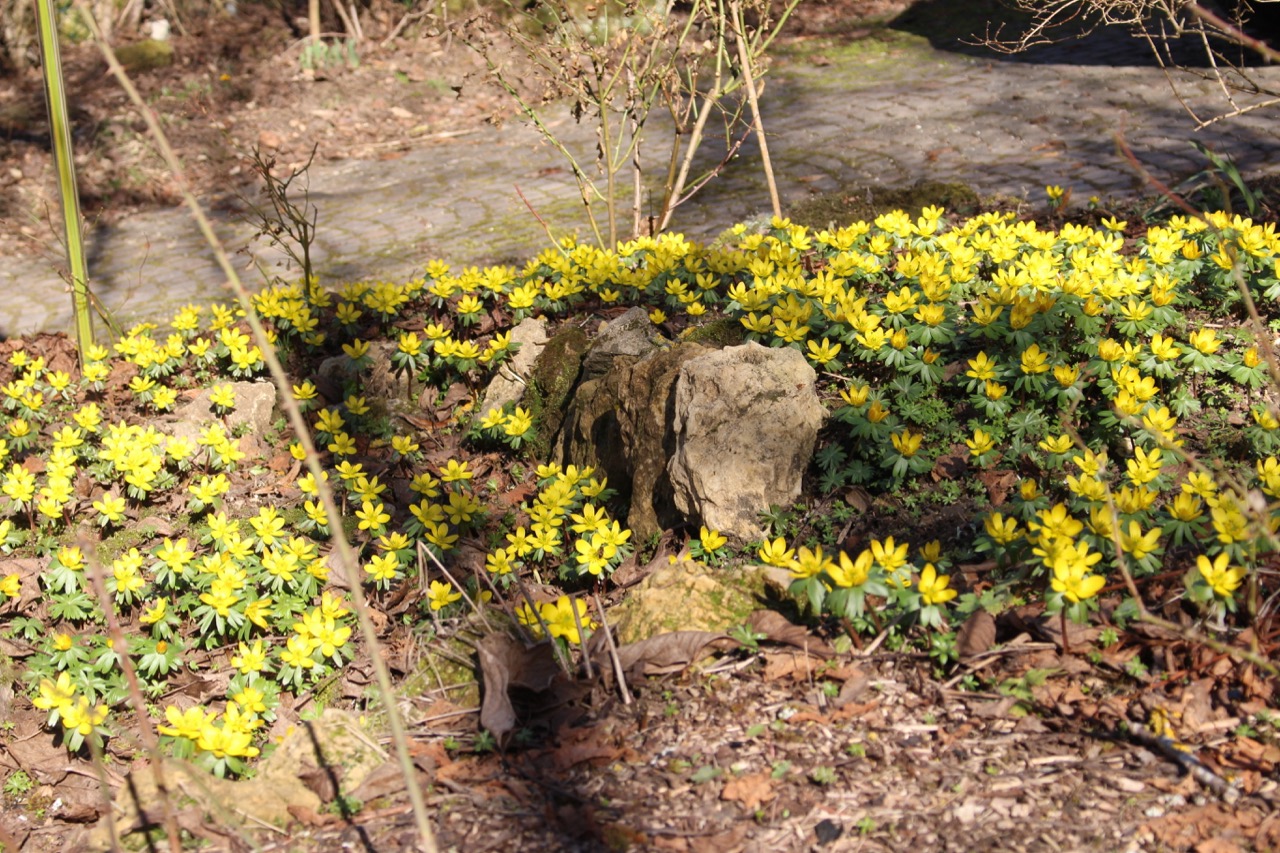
[(903, 112)]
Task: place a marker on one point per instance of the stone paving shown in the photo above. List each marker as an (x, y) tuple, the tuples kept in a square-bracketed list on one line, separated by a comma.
[(889, 116)]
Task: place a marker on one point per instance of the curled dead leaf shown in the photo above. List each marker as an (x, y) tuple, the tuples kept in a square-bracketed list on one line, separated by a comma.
[(506, 663), (976, 635), (670, 652)]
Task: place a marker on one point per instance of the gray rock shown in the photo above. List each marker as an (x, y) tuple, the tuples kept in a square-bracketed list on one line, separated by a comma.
[(255, 404), (509, 383), (745, 420), (632, 335)]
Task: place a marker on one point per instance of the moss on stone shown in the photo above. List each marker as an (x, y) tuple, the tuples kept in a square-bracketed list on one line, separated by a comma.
[(724, 332), (551, 384), (436, 670), (145, 55)]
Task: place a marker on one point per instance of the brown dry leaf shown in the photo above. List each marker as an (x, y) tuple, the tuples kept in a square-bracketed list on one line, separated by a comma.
[(999, 484), (852, 690), (671, 652), (790, 665), (1257, 686), (858, 498), (950, 466), (752, 790), (505, 663), (976, 635), (778, 629), (587, 745), (458, 392)]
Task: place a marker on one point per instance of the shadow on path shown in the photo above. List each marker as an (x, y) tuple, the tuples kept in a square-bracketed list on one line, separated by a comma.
[(1082, 40)]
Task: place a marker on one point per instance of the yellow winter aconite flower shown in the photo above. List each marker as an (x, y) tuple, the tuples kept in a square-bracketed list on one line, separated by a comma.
[(981, 444), (808, 564), (851, 573), (889, 555), (1205, 341), (1033, 360), (82, 717), (906, 442), (55, 695), (1071, 575), (776, 553), (1222, 578), (934, 588), (855, 395), (561, 620), (441, 594), (823, 353), (1138, 544), (711, 540)]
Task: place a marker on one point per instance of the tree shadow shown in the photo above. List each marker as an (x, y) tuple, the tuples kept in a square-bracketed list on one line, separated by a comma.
[(988, 29)]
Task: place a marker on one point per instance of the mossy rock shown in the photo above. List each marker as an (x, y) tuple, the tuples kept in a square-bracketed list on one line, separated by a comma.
[(439, 670), (552, 382), (724, 332), (145, 55), (687, 596), (865, 203)]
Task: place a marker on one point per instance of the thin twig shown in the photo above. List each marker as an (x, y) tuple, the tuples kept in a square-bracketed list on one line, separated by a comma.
[(460, 587), (346, 556), (120, 645), (623, 690), (541, 221), (582, 637)]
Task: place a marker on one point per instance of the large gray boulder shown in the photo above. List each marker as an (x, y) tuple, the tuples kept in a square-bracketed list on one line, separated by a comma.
[(744, 423)]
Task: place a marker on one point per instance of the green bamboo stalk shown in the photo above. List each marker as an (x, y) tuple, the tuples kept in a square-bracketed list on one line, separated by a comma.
[(60, 134)]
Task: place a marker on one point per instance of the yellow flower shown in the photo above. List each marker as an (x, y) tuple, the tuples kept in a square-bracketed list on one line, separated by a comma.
[(711, 540), (1205, 341), (889, 555), (1138, 544), (851, 573), (1034, 360), (933, 587), (11, 586), (855, 396), (809, 564), (441, 595), (981, 444), (1077, 587), (1223, 580), (1066, 375), (561, 621), (55, 695), (906, 442), (824, 352), (82, 717), (154, 613), (776, 553), (455, 471), (1056, 444), (373, 516)]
